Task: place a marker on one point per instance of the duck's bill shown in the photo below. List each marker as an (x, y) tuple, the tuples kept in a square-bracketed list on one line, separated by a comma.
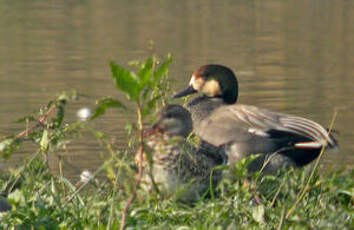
[(185, 92), (153, 130)]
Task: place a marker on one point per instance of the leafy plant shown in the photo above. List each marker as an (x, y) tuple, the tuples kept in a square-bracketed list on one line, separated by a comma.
[(141, 89), (42, 128)]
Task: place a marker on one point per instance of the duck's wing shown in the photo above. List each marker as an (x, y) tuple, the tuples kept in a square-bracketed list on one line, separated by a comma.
[(242, 122), (196, 163)]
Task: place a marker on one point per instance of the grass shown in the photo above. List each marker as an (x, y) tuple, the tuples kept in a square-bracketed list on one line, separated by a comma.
[(41, 200), (294, 199)]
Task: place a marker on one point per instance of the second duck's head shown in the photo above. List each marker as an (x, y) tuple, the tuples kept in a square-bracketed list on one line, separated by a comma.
[(213, 81), (173, 120)]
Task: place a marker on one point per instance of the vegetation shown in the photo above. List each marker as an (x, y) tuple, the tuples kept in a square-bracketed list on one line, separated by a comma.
[(296, 199)]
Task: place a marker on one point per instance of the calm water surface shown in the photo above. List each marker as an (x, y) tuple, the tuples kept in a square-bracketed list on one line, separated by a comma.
[(290, 56)]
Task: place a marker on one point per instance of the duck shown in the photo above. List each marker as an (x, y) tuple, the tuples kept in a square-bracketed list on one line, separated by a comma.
[(279, 139), (178, 168)]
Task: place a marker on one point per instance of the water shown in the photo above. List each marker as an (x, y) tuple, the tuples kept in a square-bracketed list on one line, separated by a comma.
[(293, 57)]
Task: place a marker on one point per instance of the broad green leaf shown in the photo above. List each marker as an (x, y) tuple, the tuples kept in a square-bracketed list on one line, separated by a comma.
[(105, 103), (60, 114), (161, 70), (125, 81), (44, 141), (145, 73)]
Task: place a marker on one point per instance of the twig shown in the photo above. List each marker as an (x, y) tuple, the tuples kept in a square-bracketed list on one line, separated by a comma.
[(40, 121), (140, 169)]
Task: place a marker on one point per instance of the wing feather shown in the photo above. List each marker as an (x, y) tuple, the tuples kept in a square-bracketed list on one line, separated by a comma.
[(239, 122)]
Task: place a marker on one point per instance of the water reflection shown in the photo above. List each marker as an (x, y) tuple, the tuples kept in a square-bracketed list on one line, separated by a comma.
[(294, 57)]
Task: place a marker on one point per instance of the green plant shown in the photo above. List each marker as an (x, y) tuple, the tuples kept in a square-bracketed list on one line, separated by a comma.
[(42, 128), (141, 88)]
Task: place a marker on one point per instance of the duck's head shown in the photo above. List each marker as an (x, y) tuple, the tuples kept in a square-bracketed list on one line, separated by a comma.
[(213, 81), (173, 120)]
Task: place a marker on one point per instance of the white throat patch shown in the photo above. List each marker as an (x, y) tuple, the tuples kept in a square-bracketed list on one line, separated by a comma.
[(211, 88), (196, 83)]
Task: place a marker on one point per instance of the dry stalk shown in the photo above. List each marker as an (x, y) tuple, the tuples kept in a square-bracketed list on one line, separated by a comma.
[(40, 121)]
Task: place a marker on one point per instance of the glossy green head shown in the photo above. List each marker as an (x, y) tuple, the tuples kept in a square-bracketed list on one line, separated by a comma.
[(213, 81)]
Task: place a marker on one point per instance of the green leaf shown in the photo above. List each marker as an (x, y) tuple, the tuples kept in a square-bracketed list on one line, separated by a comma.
[(161, 70), (8, 146), (125, 81), (60, 114), (145, 73), (105, 103), (349, 192), (44, 141)]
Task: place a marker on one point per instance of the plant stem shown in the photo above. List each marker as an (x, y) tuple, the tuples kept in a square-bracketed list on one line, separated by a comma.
[(40, 121), (140, 168)]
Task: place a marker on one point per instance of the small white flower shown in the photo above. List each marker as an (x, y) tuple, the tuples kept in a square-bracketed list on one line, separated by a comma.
[(85, 176), (84, 113)]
